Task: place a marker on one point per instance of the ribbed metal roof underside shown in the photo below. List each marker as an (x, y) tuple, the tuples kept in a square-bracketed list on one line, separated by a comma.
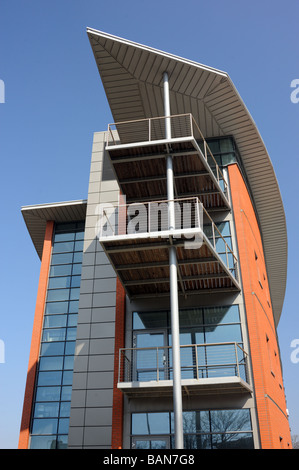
[(36, 218), (132, 76)]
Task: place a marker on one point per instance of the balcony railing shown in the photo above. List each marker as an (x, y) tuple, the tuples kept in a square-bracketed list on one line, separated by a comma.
[(150, 220), (152, 130), (198, 362)]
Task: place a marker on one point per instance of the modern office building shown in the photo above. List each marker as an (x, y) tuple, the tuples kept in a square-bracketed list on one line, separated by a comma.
[(160, 294)]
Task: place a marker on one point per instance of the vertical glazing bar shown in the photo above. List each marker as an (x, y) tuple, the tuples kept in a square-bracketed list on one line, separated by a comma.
[(237, 362), (157, 364), (196, 361)]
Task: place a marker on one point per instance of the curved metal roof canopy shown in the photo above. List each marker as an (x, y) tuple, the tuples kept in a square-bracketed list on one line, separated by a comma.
[(132, 76)]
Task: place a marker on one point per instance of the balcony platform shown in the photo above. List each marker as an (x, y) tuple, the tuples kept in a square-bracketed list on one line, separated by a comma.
[(140, 257), (205, 369), (206, 386), (138, 160), (142, 266)]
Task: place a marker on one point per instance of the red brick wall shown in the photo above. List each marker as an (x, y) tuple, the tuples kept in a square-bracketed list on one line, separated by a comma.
[(117, 411), (36, 334), (268, 382)]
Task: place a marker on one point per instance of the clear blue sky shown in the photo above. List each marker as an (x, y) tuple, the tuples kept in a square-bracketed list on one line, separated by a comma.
[(54, 101)]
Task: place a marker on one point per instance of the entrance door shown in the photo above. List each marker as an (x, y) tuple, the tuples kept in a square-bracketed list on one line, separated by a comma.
[(151, 355), (151, 442)]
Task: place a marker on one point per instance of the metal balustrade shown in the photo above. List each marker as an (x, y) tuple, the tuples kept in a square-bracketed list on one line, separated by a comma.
[(150, 220), (198, 361), (149, 217), (152, 130)]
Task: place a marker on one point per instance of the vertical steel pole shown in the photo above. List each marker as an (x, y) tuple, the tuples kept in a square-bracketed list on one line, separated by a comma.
[(173, 278)]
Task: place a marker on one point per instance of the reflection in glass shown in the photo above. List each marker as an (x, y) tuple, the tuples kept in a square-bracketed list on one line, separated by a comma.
[(55, 368), (150, 423), (207, 429)]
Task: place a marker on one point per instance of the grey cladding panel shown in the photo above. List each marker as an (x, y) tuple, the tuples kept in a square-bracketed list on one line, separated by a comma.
[(94, 361)]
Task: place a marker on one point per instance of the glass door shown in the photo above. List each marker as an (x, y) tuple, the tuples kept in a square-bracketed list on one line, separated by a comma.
[(150, 355)]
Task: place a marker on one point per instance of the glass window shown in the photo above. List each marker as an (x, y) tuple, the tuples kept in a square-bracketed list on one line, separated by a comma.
[(72, 320), (223, 333), (50, 363), (214, 146), (66, 393), (148, 320), (74, 306), (230, 420), (75, 294), (54, 334), (62, 237), (49, 378), (55, 373), (47, 394), (54, 321), (78, 257), (44, 426), (63, 426), (80, 235), (46, 410), (197, 441), (76, 281), (68, 363), (194, 422), (71, 334), (150, 423), (63, 247), (70, 348), (232, 441), (61, 270), (78, 245), (77, 268), (65, 410), (58, 294), (67, 377), (207, 429), (56, 307), (66, 227), (226, 145), (43, 442), (52, 349), (64, 258), (59, 282), (191, 317), (229, 314), (62, 442)]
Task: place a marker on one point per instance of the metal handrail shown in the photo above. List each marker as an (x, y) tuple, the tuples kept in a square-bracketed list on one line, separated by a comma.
[(206, 147), (122, 210), (196, 365)]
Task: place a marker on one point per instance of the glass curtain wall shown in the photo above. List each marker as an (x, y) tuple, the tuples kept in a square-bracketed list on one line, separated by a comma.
[(204, 429), (51, 408), (214, 330)]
